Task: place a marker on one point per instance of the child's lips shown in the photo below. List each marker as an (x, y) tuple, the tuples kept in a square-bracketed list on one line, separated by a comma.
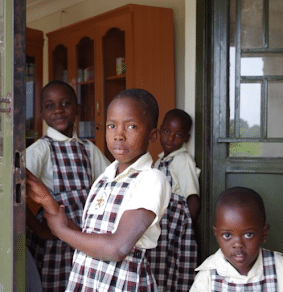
[(239, 256), (120, 150)]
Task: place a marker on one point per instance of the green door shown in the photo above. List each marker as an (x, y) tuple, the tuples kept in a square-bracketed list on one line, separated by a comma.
[(12, 139), (243, 117)]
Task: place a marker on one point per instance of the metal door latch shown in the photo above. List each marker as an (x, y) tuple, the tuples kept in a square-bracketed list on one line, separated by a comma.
[(6, 101)]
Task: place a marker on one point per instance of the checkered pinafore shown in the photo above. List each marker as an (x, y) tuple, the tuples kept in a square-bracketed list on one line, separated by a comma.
[(174, 259), (71, 182), (88, 274), (267, 284)]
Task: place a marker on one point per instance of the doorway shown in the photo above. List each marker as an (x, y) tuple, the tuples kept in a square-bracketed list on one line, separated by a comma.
[(241, 108)]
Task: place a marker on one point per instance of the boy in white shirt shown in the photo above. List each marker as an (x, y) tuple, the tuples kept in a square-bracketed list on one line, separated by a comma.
[(240, 264)]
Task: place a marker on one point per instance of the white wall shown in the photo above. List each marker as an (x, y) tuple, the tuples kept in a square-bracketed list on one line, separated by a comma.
[(57, 14)]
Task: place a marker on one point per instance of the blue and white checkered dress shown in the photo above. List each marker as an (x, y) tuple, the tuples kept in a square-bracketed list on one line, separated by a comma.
[(89, 274), (72, 182), (174, 259), (267, 284)]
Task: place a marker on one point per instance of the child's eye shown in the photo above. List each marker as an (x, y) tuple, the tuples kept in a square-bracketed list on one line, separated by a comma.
[(66, 103), (132, 126), (49, 106), (110, 126), (179, 135), (166, 132), (226, 235), (249, 235)]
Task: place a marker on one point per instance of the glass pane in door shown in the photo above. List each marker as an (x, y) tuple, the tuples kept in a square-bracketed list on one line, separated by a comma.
[(251, 23), (275, 24)]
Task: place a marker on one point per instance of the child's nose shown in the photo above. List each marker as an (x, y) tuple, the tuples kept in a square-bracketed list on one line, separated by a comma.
[(58, 108), (238, 242), (119, 135)]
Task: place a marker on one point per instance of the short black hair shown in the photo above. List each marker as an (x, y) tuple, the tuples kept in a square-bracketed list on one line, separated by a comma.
[(240, 196), (147, 100), (52, 83), (183, 116)]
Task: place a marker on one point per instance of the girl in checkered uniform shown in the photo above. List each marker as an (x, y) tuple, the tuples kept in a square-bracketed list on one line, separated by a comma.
[(124, 206), (240, 264), (67, 166), (174, 259)]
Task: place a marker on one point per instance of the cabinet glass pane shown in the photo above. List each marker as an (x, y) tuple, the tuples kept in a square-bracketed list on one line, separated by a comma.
[(275, 23), (275, 110), (30, 81), (60, 63), (85, 80), (250, 106), (261, 64), (251, 24)]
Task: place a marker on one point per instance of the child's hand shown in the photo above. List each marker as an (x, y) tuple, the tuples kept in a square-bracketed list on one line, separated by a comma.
[(38, 192), (57, 222)]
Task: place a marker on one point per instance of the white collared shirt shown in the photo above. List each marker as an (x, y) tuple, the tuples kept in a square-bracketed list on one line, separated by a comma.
[(217, 261), (150, 190), (38, 157), (184, 172)]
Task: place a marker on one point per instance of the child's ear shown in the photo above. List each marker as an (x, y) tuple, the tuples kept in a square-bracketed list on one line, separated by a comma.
[(214, 230), (153, 135), (187, 138), (265, 231)]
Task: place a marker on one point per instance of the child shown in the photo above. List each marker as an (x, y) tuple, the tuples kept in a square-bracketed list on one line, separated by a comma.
[(67, 166), (174, 260), (240, 264), (124, 206)]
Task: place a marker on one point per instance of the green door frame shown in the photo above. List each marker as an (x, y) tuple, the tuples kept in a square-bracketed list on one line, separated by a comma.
[(12, 162), (219, 169)]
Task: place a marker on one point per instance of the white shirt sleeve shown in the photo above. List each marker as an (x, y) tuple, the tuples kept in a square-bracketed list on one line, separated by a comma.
[(185, 175), (201, 282), (150, 191)]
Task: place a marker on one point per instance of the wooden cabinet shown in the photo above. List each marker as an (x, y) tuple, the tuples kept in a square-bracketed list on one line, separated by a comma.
[(34, 75), (129, 47)]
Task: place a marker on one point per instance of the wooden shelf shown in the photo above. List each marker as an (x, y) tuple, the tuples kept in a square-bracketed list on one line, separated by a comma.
[(115, 77), (86, 82)]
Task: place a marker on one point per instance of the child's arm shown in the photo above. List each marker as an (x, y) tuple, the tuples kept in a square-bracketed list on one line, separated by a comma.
[(108, 246), (39, 193), (193, 202)]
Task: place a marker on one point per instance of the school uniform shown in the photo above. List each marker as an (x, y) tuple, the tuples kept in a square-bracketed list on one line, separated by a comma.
[(65, 167), (139, 186), (174, 259), (217, 274)]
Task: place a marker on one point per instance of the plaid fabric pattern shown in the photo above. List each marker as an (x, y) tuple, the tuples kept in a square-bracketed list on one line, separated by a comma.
[(72, 181), (174, 259), (267, 284), (89, 274)]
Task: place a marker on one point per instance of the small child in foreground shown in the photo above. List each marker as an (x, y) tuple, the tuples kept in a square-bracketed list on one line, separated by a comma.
[(124, 206), (174, 259), (240, 264)]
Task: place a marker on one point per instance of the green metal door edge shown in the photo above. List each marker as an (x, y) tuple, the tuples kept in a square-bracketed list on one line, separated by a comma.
[(6, 198)]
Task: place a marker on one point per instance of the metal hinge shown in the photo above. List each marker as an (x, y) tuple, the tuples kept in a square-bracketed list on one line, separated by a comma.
[(8, 102)]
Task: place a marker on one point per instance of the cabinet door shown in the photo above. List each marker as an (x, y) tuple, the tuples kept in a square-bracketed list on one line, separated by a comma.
[(114, 70), (86, 87)]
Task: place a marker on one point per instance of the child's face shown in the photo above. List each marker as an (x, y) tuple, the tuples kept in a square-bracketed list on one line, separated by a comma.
[(172, 135), (240, 232), (59, 109), (127, 131)]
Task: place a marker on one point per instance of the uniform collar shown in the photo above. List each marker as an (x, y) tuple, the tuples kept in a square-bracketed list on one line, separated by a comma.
[(57, 136), (172, 154), (143, 163)]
